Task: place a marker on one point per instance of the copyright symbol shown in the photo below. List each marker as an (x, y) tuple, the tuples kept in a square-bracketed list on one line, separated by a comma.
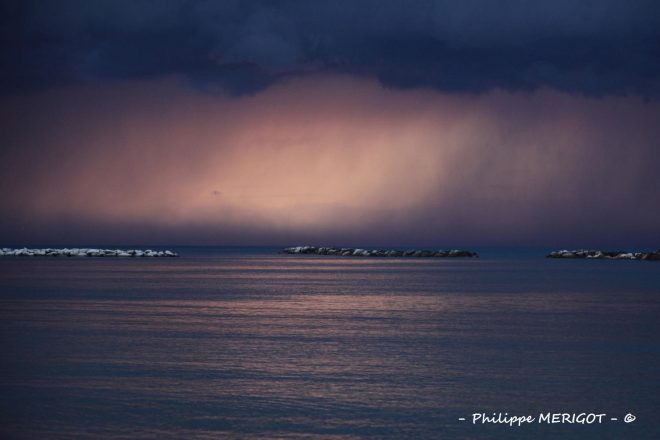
[(629, 418)]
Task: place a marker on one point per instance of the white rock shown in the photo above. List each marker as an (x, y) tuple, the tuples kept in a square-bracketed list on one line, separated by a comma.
[(85, 252)]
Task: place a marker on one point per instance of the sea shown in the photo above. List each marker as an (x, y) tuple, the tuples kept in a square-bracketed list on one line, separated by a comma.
[(249, 343)]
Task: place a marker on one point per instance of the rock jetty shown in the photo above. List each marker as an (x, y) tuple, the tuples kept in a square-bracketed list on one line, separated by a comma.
[(357, 252), (606, 255), (84, 252)]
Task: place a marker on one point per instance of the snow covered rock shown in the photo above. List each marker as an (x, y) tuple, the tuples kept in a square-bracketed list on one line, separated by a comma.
[(605, 255), (358, 252), (85, 252)]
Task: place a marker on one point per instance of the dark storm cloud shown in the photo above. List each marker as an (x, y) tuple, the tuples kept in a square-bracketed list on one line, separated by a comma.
[(589, 47)]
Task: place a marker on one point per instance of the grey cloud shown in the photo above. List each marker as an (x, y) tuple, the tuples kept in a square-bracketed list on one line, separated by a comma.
[(589, 47)]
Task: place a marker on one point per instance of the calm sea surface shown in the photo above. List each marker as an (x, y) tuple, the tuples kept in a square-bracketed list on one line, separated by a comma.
[(246, 343)]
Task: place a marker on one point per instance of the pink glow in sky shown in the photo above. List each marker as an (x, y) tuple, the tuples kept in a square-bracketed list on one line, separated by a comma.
[(328, 159)]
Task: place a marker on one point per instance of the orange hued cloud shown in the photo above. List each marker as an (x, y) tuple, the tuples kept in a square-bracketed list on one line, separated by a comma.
[(323, 158)]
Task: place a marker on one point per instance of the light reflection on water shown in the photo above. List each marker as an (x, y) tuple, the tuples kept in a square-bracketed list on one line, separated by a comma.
[(254, 345)]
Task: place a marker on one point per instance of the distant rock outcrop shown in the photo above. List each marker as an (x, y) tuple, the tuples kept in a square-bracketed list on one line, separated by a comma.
[(357, 252), (606, 255), (84, 252)]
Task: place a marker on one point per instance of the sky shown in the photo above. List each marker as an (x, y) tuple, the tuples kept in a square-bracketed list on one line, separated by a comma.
[(381, 123)]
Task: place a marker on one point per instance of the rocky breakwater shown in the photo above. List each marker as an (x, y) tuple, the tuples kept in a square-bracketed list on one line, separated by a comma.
[(357, 252), (606, 255), (84, 252)]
